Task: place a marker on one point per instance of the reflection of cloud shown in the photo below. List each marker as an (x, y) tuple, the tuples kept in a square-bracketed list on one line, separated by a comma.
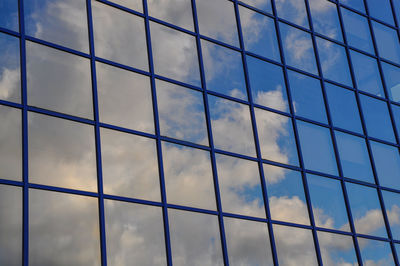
[(9, 83)]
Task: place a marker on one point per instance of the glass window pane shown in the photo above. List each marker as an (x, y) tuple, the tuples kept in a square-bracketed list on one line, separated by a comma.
[(357, 30), (231, 126), (377, 119), (375, 252), (334, 63), (366, 210), (259, 35), (217, 20), (276, 136), (267, 84), (343, 108), (190, 169), (125, 98), (381, 9), (392, 205), (387, 164), (130, 166), (61, 153), (264, 5), (223, 70), (307, 97), (125, 43), (10, 143), (132, 4), (10, 75), (387, 42), (58, 81), (354, 157), (175, 54), (240, 187), (317, 148), (9, 14), (298, 48), (366, 74), (396, 116), (336, 249), (293, 11), (325, 18), (287, 200), (392, 80), (10, 225), (177, 12), (328, 203), (62, 22), (181, 113), (195, 238), (63, 229), (134, 233), (295, 246), (247, 242)]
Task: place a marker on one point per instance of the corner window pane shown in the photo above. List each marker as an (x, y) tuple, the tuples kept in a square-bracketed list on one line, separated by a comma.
[(61, 153), (125, 43), (175, 54), (276, 137), (195, 238), (63, 22), (10, 73), (181, 113), (387, 164), (267, 84), (375, 252), (63, 229), (240, 187), (317, 148), (58, 81), (223, 69), (387, 42), (134, 233), (337, 249), (259, 35), (130, 166), (231, 125), (177, 12), (9, 14), (124, 98), (325, 19), (188, 176), (247, 242), (287, 200)]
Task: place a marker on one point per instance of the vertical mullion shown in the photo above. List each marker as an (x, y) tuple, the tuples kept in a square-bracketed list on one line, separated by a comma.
[(255, 135), (158, 139), (210, 136), (25, 173), (103, 246), (386, 220)]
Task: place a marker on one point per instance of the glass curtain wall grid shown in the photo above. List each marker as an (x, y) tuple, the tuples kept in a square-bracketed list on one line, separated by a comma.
[(199, 132)]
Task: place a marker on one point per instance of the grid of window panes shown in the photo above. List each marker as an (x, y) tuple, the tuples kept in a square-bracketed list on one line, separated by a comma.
[(199, 132)]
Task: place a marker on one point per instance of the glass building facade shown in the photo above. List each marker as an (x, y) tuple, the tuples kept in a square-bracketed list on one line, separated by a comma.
[(199, 132)]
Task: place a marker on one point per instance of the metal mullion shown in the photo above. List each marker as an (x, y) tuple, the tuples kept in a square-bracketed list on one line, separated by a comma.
[(210, 135), (158, 139), (256, 137)]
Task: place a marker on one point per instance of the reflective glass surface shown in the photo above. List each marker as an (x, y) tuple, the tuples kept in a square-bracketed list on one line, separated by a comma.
[(396, 116), (317, 148), (259, 34), (63, 22), (381, 9), (240, 186), (189, 168), (307, 97), (125, 44), (375, 252), (392, 80), (63, 224), (132, 4), (58, 81), (387, 42), (61, 153), (134, 233), (129, 165), (355, 4), (392, 204), (293, 11), (9, 14), (336, 249), (267, 84), (10, 78), (257, 251), (328, 203), (124, 98), (325, 19), (181, 113), (387, 164), (194, 238), (177, 12)]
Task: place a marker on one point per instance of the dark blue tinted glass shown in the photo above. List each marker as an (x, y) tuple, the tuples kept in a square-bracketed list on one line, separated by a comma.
[(387, 42), (392, 80), (387, 164), (381, 9), (9, 14)]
